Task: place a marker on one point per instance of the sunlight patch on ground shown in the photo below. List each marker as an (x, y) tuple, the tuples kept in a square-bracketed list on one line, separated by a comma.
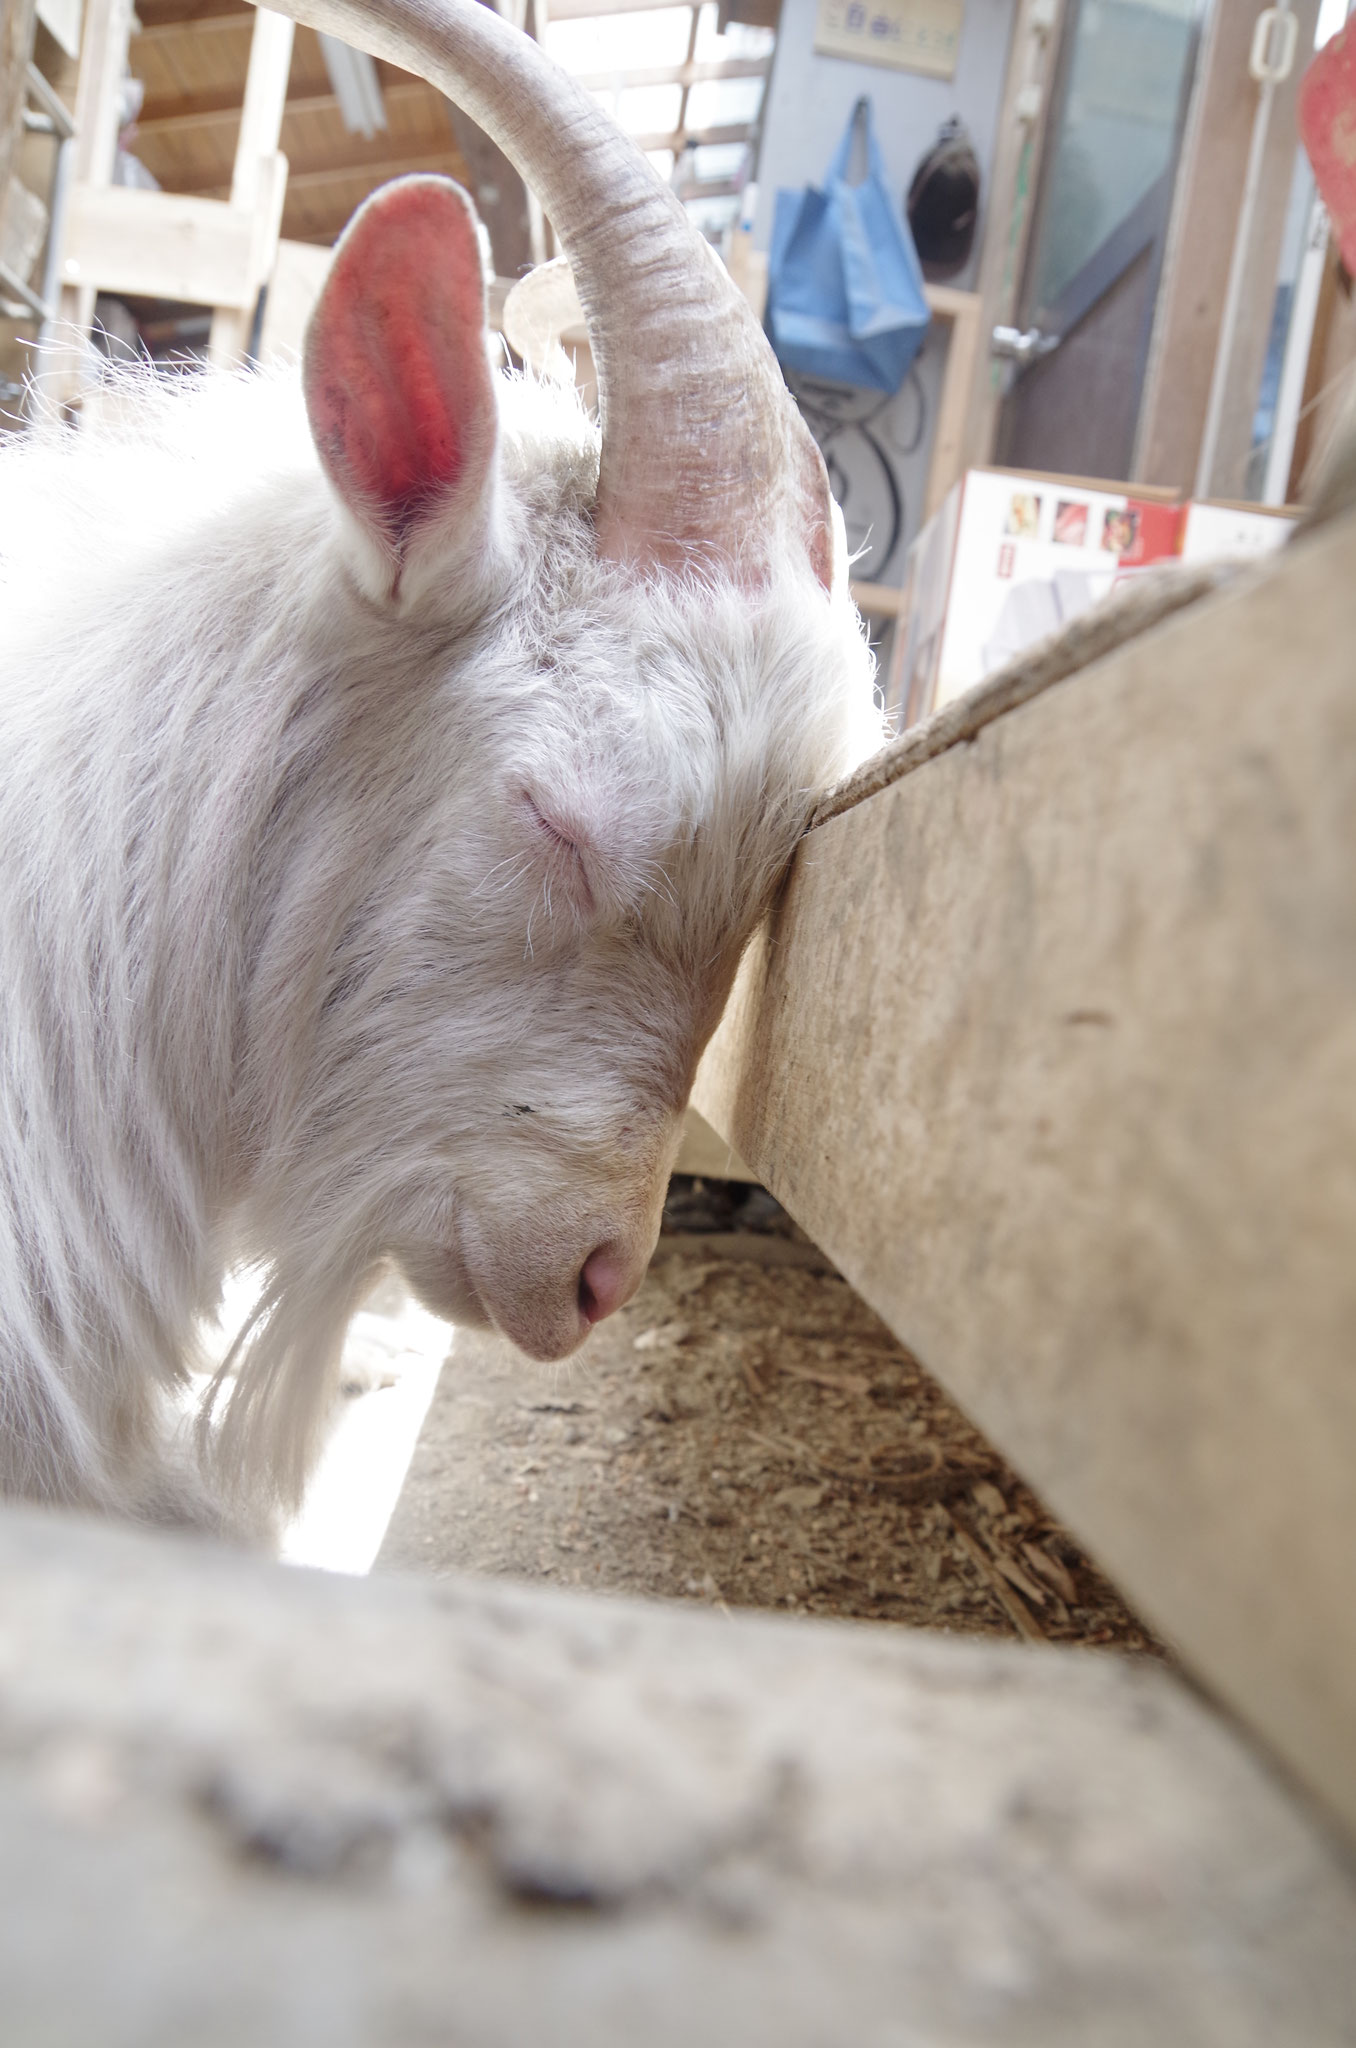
[(392, 1357)]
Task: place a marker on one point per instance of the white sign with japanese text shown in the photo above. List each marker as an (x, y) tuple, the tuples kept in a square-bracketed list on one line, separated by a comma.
[(910, 35)]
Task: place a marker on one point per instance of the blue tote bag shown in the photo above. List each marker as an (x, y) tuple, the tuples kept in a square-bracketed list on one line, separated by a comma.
[(845, 288)]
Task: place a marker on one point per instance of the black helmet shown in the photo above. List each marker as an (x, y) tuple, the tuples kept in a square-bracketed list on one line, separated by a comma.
[(943, 202)]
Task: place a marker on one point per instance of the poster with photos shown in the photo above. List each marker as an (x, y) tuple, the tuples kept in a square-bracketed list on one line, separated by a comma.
[(907, 35)]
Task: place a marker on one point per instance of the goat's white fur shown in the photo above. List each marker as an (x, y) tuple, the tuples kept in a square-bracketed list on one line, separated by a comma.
[(293, 966)]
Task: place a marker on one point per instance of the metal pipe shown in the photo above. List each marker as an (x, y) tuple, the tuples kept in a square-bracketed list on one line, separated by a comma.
[(11, 281), (52, 105), (56, 224)]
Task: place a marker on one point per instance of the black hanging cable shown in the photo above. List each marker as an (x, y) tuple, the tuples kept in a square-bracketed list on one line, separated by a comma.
[(833, 412)]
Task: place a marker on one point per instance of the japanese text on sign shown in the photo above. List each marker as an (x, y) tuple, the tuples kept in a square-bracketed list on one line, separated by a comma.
[(911, 35)]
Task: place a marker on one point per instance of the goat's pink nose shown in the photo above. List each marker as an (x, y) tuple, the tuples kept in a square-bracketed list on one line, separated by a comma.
[(604, 1284)]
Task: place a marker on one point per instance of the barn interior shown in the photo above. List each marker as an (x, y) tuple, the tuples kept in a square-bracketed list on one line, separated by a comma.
[(1003, 1304)]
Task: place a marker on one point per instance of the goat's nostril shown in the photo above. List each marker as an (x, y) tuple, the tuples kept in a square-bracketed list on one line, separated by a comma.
[(602, 1285)]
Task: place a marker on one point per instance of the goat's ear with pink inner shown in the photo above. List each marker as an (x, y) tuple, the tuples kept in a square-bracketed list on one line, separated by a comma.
[(397, 377)]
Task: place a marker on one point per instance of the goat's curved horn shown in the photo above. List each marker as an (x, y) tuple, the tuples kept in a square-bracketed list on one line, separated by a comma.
[(702, 446)]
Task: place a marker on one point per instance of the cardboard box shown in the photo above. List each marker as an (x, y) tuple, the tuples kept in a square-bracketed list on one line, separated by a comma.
[(1213, 531), (1008, 558), (1011, 556)]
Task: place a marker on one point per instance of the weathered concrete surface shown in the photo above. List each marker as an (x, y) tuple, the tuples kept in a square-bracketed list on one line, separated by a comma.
[(242, 1805), (1050, 1045)]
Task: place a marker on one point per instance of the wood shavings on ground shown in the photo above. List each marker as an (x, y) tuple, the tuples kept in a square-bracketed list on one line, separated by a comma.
[(745, 1433)]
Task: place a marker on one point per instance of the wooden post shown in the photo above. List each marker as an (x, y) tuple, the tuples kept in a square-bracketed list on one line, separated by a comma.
[(16, 47), (103, 62), (1200, 245), (965, 313), (257, 184)]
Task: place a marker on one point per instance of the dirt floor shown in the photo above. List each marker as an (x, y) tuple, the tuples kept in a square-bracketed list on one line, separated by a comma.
[(745, 1433)]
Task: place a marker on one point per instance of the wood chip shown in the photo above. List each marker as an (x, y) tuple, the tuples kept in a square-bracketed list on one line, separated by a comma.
[(840, 1382), (661, 1333), (1016, 1609), (799, 1497), (1053, 1572), (1015, 1576)]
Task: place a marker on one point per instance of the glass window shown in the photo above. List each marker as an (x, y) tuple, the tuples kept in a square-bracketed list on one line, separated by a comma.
[(621, 42), (724, 102), (645, 109), (1116, 132), (712, 160), (740, 40)]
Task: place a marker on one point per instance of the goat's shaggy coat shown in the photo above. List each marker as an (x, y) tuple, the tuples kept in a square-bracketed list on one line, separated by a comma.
[(336, 931), (386, 794)]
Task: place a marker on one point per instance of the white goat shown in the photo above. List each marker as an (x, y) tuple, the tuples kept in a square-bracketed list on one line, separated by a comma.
[(380, 832)]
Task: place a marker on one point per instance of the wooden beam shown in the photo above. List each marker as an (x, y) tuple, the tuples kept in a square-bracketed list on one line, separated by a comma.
[(1191, 292), (1051, 1046), (877, 600), (678, 139), (158, 245), (965, 313), (578, 10), (709, 188), (299, 271), (174, 17), (231, 22), (259, 178), (103, 60), (219, 110), (377, 171), (16, 47), (499, 192), (673, 74)]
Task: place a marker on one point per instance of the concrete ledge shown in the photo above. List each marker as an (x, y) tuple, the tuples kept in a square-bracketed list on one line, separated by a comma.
[(1051, 1046), (242, 1804)]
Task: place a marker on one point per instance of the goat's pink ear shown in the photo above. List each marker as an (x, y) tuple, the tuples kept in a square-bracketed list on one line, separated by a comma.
[(396, 371)]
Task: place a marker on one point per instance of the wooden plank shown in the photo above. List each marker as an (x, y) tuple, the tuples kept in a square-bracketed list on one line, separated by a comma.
[(1200, 245), (963, 310), (258, 185), (64, 19), (707, 1155), (1051, 1046), (692, 73), (1327, 381), (159, 245), (155, 25), (877, 600), (574, 10), (499, 193), (16, 47), (376, 172), (678, 138), (299, 271), (169, 117), (103, 60)]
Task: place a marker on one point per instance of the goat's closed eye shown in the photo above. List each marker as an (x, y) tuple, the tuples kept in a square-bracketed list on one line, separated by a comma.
[(565, 854), (555, 833)]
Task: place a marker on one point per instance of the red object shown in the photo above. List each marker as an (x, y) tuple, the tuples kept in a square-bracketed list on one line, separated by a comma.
[(1156, 532), (1327, 126)]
